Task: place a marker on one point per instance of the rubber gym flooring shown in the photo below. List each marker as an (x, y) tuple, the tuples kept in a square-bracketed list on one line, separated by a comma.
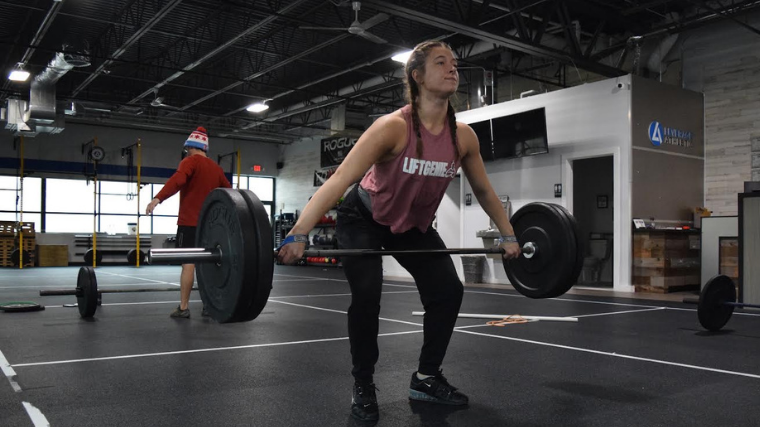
[(625, 362)]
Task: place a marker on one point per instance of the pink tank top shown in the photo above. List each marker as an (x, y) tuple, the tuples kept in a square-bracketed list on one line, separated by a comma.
[(407, 190)]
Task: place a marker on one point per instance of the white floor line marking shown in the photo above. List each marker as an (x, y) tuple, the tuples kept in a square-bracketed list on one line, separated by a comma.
[(459, 329), (345, 312), (9, 372), (621, 312), (562, 299), (138, 278), (618, 355), (202, 350), (38, 418), (338, 295)]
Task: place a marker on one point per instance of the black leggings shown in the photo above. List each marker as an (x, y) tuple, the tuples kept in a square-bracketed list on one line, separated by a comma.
[(436, 278)]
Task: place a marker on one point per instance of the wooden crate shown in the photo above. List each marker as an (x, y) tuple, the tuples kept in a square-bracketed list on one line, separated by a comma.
[(665, 262), (53, 255), (9, 243), (8, 228)]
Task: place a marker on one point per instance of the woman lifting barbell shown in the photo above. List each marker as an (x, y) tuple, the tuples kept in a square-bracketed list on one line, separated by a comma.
[(407, 159)]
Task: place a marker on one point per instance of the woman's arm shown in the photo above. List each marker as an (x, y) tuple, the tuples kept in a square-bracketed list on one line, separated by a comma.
[(385, 136), (472, 165)]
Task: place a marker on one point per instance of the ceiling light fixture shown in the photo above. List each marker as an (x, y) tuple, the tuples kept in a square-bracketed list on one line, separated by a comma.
[(257, 107), (18, 76), (402, 57)]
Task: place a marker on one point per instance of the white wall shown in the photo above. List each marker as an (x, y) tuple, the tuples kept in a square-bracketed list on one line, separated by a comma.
[(723, 61), (295, 183), (586, 121)]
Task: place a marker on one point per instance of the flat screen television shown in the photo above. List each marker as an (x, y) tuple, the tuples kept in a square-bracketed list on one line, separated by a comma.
[(519, 135), (483, 132)]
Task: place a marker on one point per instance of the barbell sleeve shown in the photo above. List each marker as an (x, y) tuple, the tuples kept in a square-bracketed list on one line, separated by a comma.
[(503, 316), (185, 256)]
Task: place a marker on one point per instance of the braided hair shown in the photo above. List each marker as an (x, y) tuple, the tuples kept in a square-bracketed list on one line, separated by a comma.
[(416, 61)]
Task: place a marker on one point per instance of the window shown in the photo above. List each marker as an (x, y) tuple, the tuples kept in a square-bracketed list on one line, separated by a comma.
[(164, 225), (169, 206), (118, 224), (70, 195), (118, 197), (11, 200), (71, 204), (36, 218), (68, 223), (263, 187)]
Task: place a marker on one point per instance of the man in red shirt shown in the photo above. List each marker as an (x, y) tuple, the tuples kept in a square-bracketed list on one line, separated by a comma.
[(196, 176)]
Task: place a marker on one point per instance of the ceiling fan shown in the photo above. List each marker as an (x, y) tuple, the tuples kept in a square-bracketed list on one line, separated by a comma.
[(159, 102), (359, 28)]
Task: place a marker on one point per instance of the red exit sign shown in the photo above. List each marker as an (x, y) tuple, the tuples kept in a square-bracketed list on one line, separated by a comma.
[(257, 168)]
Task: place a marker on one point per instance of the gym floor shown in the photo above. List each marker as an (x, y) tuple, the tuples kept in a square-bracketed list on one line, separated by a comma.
[(627, 362)]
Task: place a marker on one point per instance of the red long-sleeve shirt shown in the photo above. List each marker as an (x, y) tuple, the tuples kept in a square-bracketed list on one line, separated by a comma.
[(196, 176)]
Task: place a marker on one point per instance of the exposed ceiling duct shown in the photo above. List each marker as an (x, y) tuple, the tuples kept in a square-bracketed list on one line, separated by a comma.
[(39, 114)]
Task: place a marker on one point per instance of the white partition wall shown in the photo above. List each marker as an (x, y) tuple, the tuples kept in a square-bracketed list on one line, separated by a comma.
[(713, 228), (585, 121)]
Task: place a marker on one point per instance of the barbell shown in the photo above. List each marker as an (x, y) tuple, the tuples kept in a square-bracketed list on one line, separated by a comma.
[(89, 296), (717, 302), (235, 262), (235, 258)]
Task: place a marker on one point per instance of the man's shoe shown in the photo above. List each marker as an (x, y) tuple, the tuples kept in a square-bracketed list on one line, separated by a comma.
[(436, 389), (204, 313), (364, 402), (181, 314)]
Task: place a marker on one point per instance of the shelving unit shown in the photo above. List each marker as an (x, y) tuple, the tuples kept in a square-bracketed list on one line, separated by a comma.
[(113, 247), (283, 226)]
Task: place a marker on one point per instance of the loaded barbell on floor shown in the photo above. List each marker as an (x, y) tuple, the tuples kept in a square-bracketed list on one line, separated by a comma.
[(235, 262), (89, 296), (716, 302)]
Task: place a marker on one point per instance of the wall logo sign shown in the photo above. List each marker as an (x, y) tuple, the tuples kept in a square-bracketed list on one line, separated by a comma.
[(334, 150), (660, 135)]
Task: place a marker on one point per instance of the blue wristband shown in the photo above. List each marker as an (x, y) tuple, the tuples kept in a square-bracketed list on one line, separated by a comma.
[(509, 239), (294, 238)]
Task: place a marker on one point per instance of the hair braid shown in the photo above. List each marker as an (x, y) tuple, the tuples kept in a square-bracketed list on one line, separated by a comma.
[(416, 124), (451, 115)]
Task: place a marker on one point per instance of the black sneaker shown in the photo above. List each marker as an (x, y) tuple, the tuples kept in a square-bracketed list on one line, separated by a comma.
[(181, 314), (364, 402), (437, 390)]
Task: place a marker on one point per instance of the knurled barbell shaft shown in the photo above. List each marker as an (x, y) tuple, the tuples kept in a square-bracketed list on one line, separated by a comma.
[(741, 304), (55, 292), (694, 300), (213, 255)]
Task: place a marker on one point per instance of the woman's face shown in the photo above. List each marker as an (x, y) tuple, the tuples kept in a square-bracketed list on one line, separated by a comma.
[(441, 75)]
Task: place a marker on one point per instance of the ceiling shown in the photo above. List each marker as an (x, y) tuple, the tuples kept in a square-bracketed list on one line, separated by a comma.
[(176, 64)]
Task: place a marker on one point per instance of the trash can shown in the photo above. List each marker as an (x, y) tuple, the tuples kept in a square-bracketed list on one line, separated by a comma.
[(473, 268)]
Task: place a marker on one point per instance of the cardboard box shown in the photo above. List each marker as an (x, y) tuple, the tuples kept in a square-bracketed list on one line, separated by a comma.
[(52, 255)]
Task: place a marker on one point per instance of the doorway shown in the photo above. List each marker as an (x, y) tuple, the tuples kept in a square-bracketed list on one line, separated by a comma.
[(593, 196)]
